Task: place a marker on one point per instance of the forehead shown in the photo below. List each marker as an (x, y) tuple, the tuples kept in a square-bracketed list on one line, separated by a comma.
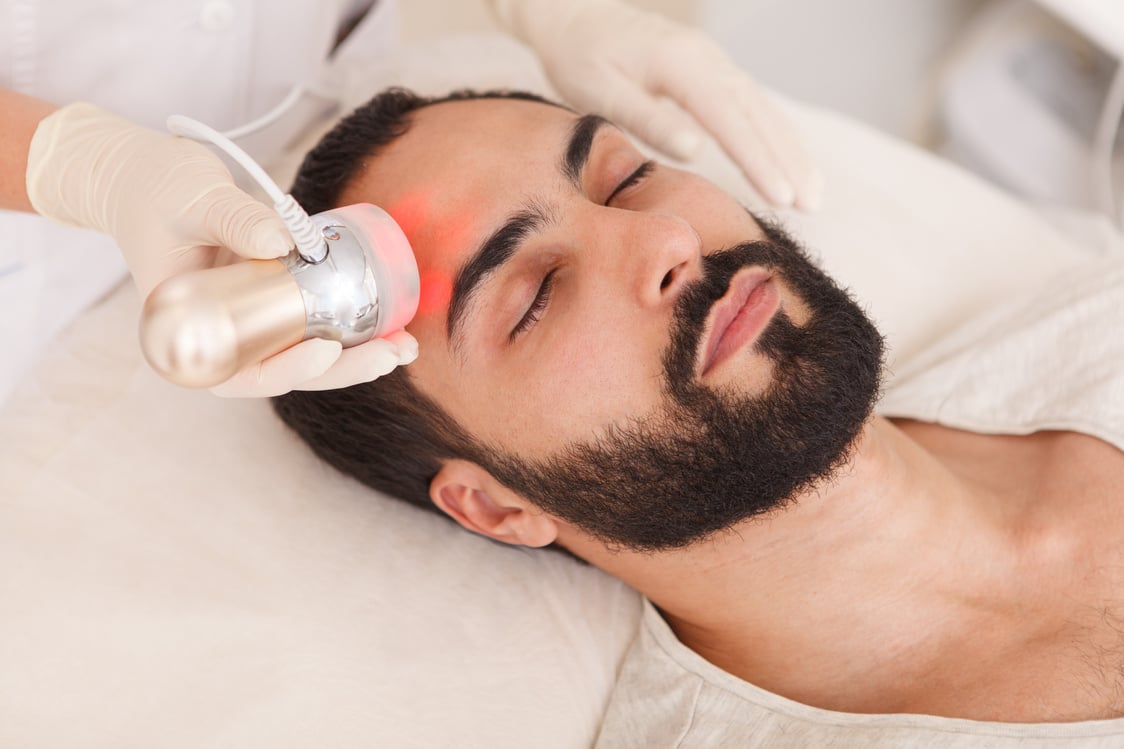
[(459, 167)]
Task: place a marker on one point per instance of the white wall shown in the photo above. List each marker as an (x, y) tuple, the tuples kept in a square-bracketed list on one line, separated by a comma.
[(426, 18), (874, 59)]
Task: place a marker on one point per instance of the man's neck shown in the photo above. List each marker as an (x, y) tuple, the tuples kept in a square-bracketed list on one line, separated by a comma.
[(908, 551)]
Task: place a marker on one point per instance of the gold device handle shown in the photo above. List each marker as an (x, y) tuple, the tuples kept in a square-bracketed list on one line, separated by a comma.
[(198, 329)]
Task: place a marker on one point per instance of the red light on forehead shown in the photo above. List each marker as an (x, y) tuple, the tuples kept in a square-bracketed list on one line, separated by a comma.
[(436, 290), (410, 212), (455, 230), (415, 212)]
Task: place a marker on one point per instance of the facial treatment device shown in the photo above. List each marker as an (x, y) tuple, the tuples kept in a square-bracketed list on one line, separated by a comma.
[(352, 277)]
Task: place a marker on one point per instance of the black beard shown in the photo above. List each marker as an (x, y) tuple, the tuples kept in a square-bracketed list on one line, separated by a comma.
[(712, 459)]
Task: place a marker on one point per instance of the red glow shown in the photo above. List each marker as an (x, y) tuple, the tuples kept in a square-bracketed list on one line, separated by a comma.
[(410, 212), (436, 231), (456, 231), (436, 290)]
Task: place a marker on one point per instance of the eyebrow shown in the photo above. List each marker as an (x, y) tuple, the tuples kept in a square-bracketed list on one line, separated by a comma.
[(581, 143), (497, 249), (500, 247)]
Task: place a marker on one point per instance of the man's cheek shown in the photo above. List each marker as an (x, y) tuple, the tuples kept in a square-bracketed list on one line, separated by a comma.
[(603, 375)]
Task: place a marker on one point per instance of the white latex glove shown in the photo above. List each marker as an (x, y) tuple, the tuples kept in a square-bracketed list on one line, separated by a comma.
[(662, 80), (172, 206), (319, 364)]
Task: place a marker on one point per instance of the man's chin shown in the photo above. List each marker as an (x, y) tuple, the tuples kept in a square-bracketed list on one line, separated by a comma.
[(749, 373)]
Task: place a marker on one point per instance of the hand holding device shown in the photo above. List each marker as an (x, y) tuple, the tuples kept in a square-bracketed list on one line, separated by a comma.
[(199, 329), (172, 206)]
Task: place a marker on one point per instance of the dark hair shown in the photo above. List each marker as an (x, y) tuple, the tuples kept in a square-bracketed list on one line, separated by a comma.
[(386, 433)]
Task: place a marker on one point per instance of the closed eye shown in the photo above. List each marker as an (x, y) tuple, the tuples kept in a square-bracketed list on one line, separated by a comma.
[(633, 179), (538, 306)]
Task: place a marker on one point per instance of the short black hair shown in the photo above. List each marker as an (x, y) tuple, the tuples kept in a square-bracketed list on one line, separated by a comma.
[(387, 433)]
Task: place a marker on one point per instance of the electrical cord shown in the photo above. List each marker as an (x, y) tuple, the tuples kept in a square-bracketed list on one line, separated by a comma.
[(310, 243), (269, 117), (295, 93)]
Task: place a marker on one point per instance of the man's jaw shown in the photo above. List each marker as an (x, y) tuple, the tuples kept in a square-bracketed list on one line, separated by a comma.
[(738, 318)]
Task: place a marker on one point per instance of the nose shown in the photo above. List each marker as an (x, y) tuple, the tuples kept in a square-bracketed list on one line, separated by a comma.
[(659, 254)]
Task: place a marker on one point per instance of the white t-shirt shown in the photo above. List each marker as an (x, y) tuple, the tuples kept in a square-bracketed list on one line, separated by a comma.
[(1053, 359)]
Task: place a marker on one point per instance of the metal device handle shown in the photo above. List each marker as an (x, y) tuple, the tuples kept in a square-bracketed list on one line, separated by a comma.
[(198, 329)]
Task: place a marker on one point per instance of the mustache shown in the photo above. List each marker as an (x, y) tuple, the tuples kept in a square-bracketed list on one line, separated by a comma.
[(699, 297)]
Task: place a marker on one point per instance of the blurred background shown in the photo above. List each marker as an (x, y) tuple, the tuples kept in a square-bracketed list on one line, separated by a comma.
[(1027, 93)]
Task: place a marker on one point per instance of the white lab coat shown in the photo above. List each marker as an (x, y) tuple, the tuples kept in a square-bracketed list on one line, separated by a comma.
[(224, 62)]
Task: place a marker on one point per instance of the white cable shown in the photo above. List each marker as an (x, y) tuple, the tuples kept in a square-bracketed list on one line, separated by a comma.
[(295, 93), (1104, 144), (310, 244), (187, 127), (269, 117)]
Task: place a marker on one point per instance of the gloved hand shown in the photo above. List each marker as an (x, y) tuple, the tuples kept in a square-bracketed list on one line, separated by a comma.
[(319, 364), (172, 207), (606, 57)]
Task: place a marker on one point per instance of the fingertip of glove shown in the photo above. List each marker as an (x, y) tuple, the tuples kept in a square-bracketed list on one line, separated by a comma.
[(276, 243), (384, 361), (268, 244), (778, 192), (810, 198), (322, 352), (682, 145), (407, 346)]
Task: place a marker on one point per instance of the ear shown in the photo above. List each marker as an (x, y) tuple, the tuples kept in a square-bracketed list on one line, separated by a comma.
[(475, 499)]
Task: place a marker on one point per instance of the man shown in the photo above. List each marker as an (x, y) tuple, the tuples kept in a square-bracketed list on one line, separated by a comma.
[(619, 359)]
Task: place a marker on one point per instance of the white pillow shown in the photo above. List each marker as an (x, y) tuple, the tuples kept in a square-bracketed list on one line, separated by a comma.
[(178, 570)]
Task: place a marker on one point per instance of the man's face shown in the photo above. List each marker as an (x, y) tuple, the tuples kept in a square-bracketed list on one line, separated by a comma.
[(621, 336)]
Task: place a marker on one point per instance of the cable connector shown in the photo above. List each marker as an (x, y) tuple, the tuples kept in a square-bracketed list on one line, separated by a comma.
[(310, 242)]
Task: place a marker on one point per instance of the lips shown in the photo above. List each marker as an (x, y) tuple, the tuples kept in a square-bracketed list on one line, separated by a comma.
[(738, 317)]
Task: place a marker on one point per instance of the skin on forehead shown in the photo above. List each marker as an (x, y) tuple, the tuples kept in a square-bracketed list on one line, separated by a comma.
[(594, 359)]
